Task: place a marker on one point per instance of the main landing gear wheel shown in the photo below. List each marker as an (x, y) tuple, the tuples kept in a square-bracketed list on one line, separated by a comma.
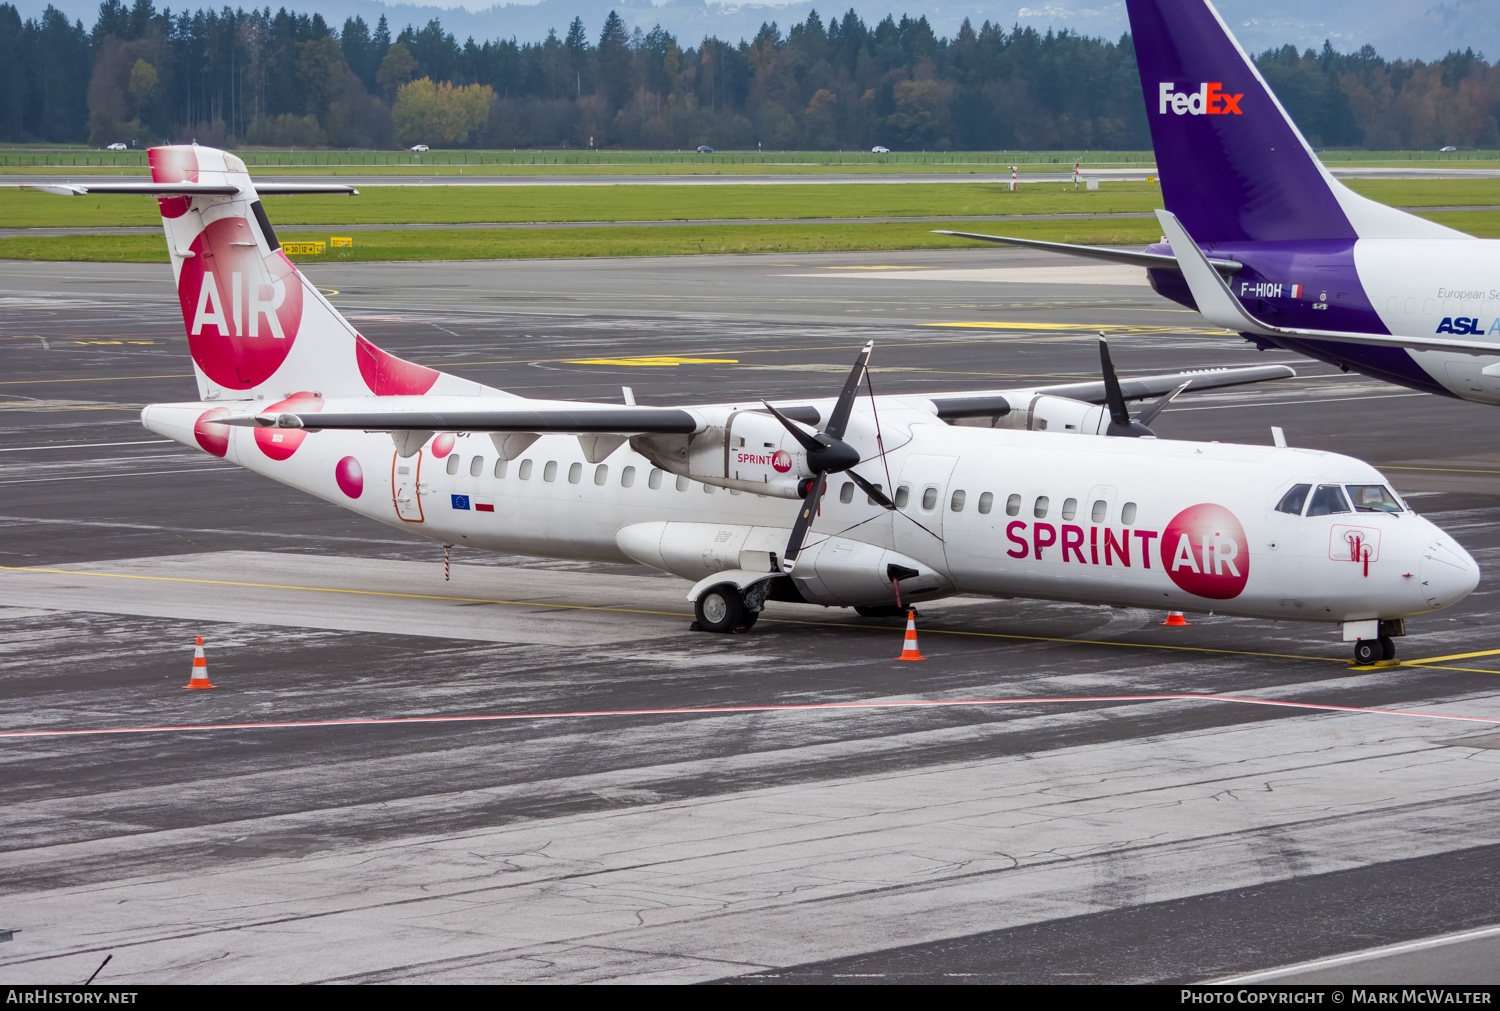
[(721, 609), (1368, 651), (879, 611)]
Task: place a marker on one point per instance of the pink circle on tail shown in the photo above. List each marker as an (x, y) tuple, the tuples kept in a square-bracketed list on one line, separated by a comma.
[(213, 438), (350, 477), (281, 443), (242, 325), (173, 165)]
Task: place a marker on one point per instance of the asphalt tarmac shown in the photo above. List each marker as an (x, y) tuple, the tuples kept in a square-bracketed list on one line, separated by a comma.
[(1176, 840)]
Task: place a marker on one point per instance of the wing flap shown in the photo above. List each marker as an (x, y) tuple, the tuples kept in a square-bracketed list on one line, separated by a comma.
[(989, 404)]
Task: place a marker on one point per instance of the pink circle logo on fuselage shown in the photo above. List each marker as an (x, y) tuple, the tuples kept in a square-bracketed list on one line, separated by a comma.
[(241, 309), (1205, 552), (281, 443), (781, 460)]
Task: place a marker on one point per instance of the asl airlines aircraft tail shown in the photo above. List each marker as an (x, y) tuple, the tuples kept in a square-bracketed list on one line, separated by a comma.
[(258, 329), (1233, 165)]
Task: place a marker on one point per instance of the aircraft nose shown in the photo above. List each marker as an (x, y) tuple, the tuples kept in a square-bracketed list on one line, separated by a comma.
[(1448, 572)]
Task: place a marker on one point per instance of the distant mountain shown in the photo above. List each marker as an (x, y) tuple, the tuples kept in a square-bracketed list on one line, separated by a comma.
[(1396, 28)]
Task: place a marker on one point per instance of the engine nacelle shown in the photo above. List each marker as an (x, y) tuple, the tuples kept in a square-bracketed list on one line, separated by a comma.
[(1044, 413), (740, 448)]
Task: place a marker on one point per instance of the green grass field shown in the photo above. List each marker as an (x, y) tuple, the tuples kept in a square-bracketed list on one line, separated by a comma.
[(518, 243), (501, 204), (505, 204), (512, 204)]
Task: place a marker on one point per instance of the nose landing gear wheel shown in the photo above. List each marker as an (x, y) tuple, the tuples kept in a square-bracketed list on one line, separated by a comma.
[(1368, 651), (721, 609)]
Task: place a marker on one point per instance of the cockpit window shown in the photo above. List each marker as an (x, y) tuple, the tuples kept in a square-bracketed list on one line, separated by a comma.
[(1293, 501), (1373, 498), (1328, 500)]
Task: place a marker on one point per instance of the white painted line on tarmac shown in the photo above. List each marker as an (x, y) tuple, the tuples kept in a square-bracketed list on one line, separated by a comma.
[(1362, 956), (710, 710), (87, 445)]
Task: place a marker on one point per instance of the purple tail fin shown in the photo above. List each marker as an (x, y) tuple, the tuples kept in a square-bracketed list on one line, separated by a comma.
[(1233, 165)]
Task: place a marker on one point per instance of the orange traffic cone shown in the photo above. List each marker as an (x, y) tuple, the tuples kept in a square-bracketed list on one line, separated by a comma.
[(200, 668), (909, 650), (1175, 618)]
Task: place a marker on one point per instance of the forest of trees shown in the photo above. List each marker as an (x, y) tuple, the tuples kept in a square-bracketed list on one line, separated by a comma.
[(254, 78)]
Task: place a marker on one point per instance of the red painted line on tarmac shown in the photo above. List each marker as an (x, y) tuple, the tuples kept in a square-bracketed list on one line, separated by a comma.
[(700, 710)]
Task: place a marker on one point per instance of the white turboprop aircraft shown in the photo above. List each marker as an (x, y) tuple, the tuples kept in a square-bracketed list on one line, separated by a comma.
[(1008, 493)]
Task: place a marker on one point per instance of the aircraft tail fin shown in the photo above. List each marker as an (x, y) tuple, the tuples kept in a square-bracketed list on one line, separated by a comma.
[(257, 328), (1233, 165)]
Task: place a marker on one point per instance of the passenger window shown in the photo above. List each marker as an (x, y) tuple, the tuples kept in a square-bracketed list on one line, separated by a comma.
[(500, 467), (1013, 505), (654, 481), (525, 470), (601, 474), (871, 501), (627, 477), (846, 493), (1373, 498), (575, 473), (1070, 508), (1328, 500), (453, 463), (476, 466), (1040, 509), (903, 493), (1099, 512), (986, 502), (957, 502), (1293, 501), (929, 498), (549, 472), (1127, 514), (682, 484), (708, 489)]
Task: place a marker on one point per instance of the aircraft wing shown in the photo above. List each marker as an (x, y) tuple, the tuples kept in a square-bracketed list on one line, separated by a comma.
[(952, 406), (582, 421), (1130, 256), (155, 189), (1219, 306)]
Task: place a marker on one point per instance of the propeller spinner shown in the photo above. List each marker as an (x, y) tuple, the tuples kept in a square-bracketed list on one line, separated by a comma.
[(828, 453)]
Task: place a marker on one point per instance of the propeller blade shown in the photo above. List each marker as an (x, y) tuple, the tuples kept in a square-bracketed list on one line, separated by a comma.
[(1159, 404), (1118, 413), (839, 420), (808, 442), (871, 490), (804, 523)]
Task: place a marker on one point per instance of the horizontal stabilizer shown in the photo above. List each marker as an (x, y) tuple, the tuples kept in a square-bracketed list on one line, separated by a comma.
[(189, 189), (584, 421), (1130, 256), (980, 405), (1219, 306)]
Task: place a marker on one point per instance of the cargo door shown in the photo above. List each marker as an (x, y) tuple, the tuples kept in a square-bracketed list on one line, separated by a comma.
[(922, 498), (406, 492)]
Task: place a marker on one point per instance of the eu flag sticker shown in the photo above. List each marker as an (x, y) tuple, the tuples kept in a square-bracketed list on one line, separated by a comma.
[(460, 501)]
